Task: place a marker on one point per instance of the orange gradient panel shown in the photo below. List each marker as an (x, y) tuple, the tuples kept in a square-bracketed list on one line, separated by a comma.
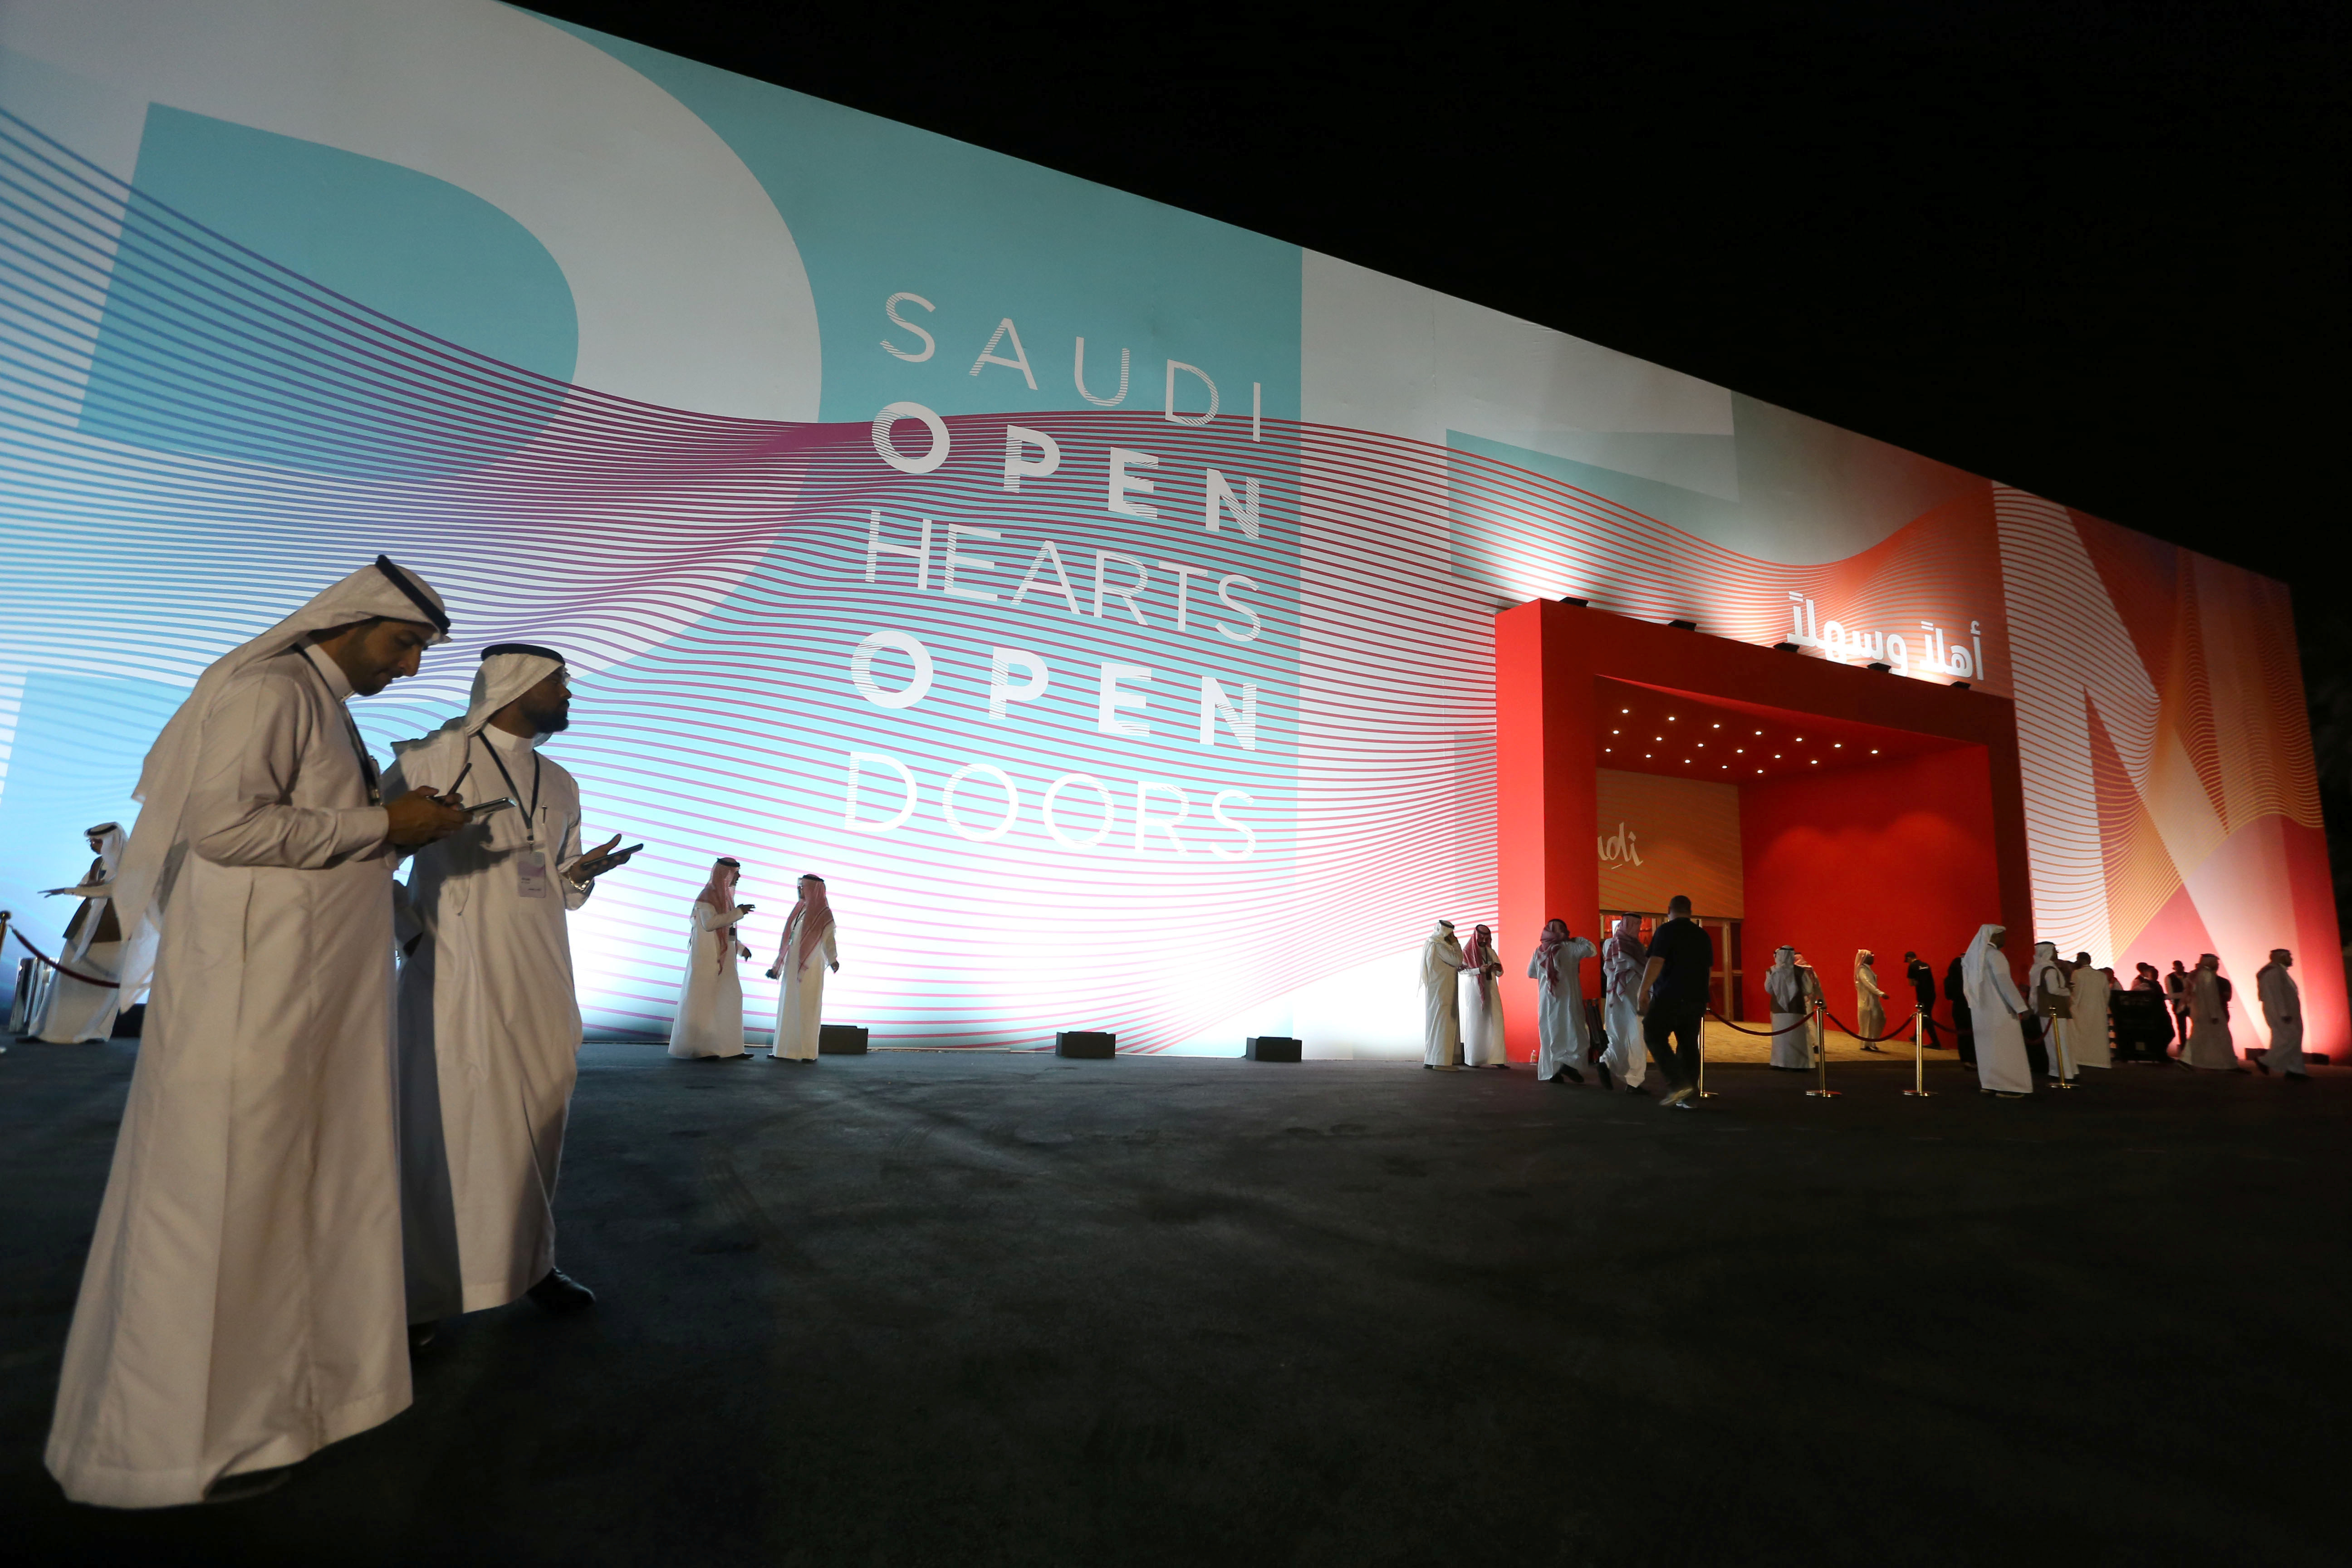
[(1660, 836)]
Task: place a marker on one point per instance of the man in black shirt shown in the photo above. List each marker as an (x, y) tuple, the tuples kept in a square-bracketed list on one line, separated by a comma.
[(1922, 976), (1672, 998)]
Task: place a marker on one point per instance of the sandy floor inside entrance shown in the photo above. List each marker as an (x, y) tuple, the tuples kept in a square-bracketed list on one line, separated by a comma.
[(1726, 1044)]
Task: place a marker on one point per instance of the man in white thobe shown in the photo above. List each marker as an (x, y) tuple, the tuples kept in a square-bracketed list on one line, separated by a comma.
[(1623, 959), (490, 1026), (1784, 987), (78, 1010), (1562, 1044), (242, 1305), (1441, 1022), (1869, 1001), (2282, 1001), (1816, 1030), (2089, 1042), (1481, 1002), (807, 952), (2052, 991), (2207, 1043), (1996, 1016), (709, 1022)]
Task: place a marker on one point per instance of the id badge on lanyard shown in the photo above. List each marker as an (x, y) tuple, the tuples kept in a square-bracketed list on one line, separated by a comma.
[(531, 871), (530, 860)]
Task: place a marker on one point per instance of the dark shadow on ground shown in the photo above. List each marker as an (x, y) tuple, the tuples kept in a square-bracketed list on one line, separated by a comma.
[(936, 1309)]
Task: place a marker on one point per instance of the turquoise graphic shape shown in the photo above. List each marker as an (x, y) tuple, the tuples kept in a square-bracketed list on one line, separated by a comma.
[(877, 208), (436, 259)]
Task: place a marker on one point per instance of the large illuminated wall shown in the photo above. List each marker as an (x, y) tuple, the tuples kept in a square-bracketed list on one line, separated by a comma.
[(1102, 597)]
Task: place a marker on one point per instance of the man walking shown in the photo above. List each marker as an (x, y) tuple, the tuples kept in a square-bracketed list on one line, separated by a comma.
[(1673, 1001), (241, 1308), (2282, 1002)]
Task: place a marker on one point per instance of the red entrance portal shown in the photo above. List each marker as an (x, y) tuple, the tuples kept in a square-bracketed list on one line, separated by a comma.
[(1875, 811)]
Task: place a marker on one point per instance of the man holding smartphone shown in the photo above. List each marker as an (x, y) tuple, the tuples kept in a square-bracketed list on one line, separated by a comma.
[(489, 1027)]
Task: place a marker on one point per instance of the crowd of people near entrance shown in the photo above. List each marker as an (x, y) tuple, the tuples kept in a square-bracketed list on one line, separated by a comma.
[(1655, 997)]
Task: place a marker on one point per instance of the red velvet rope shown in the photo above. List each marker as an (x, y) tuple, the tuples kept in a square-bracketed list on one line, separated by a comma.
[(1896, 1033), (1766, 1033), (1893, 1034), (61, 969)]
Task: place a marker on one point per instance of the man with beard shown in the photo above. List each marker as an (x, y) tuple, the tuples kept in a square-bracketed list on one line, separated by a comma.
[(489, 1027), (241, 1307)]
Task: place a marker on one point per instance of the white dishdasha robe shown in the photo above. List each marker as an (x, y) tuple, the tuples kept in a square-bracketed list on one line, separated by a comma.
[(1993, 1008), (488, 1027), (242, 1304), (2282, 1001), (1481, 1016), (1623, 961), (78, 1012), (1561, 1039), (1441, 968), (710, 1020), (1784, 987), (800, 1005), (2208, 1044), (2090, 1043)]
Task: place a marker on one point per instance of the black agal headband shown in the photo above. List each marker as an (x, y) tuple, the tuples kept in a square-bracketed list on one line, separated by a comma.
[(531, 649), (415, 592)]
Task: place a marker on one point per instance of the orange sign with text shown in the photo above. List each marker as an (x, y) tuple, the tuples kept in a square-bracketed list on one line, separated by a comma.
[(1660, 836)]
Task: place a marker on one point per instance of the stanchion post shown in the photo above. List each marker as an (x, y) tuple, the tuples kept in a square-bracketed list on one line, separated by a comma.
[(1822, 1061), (1703, 1093), (1919, 1089)]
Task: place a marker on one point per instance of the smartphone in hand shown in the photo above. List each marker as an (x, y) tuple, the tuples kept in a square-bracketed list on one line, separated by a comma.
[(488, 809)]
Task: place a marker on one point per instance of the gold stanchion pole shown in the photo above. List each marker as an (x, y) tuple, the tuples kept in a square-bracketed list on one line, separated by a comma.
[(1822, 1059), (1703, 1093), (1919, 1090)]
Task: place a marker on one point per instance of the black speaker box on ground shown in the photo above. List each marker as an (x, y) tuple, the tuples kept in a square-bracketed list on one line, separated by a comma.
[(1086, 1043), (1271, 1049), (841, 1039)]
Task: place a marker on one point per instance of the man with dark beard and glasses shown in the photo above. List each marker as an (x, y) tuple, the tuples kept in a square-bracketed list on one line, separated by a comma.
[(489, 1025)]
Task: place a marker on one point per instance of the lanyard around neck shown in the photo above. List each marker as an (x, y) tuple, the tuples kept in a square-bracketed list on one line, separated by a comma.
[(531, 823), (351, 726)]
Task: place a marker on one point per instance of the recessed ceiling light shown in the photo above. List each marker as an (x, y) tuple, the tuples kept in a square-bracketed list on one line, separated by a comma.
[(1837, 745), (1616, 731), (1776, 756), (1815, 761), (1669, 718), (1759, 731), (1873, 751), (1718, 726), (1759, 769), (1702, 745), (1739, 751), (1800, 740), (1624, 710)]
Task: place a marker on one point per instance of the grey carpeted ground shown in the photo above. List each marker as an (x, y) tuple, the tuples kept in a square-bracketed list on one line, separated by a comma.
[(923, 1308)]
